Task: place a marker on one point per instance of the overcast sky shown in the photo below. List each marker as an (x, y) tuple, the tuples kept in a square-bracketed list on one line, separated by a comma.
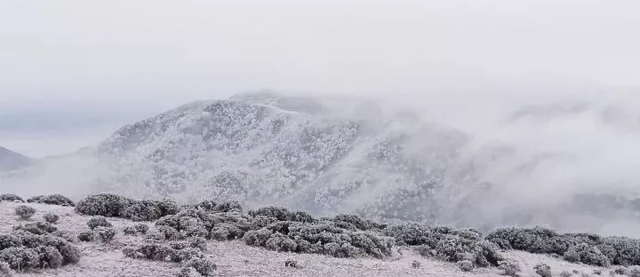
[(167, 50), (155, 54)]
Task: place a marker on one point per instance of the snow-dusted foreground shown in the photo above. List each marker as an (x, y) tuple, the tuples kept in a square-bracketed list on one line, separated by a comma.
[(234, 258)]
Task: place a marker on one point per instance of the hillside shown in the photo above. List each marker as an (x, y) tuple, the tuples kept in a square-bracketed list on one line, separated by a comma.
[(10, 160), (328, 156), (234, 257)]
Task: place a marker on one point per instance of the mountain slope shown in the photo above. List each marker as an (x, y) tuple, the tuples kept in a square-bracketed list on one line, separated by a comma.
[(266, 149), (10, 160)]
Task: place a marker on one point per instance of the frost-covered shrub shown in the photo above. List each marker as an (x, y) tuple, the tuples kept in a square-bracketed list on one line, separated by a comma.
[(197, 242), (621, 251), (129, 231), (211, 206), (154, 252), (98, 221), (11, 197), (465, 265), (168, 233), (187, 223), (357, 222), (49, 257), (188, 272), (38, 228), (7, 241), (109, 205), (282, 214), (226, 231), (25, 212), (587, 254), (291, 263), (54, 199), (543, 270), (186, 254), (447, 243), (149, 210), (141, 228), (106, 234), (20, 258), (511, 268), (86, 236), (204, 266), (281, 243), (633, 271), (416, 264), (5, 269), (566, 274), (66, 235), (51, 218), (597, 272)]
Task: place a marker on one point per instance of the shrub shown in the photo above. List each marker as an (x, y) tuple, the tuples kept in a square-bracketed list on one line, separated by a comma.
[(54, 199), (465, 265), (11, 197), (98, 221), (106, 234), (109, 205), (186, 254), (198, 242), (511, 268), (358, 223), (129, 230), (204, 266), (20, 258), (226, 231), (51, 218), (291, 263), (416, 264), (211, 206), (281, 243), (543, 270), (188, 272), (447, 243), (141, 228), (5, 269), (49, 257), (86, 236), (7, 241), (566, 274), (587, 254), (64, 235), (151, 252), (38, 228), (25, 212), (282, 214), (149, 210)]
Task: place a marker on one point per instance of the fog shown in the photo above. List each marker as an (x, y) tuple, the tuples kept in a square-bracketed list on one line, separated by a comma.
[(551, 78)]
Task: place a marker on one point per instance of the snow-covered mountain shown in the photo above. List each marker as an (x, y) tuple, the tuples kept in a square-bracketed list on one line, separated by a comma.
[(334, 155), (10, 160)]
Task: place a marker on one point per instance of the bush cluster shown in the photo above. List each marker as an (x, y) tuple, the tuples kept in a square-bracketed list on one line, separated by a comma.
[(322, 237), (23, 251), (448, 244), (98, 221), (54, 199), (106, 234), (574, 247), (37, 228), (51, 218), (111, 205), (193, 260), (25, 212), (11, 197)]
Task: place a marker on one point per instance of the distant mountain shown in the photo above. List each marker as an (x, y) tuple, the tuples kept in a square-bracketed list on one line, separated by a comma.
[(335, 155), (10, 160)]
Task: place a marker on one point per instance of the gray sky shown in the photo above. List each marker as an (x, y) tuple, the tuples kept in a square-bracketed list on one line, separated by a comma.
[(129, 59), (169, 51)]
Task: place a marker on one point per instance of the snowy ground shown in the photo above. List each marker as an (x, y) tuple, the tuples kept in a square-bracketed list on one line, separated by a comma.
[(236, 259)]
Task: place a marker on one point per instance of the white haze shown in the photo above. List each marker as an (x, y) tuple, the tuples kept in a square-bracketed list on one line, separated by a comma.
[(465, 64)]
